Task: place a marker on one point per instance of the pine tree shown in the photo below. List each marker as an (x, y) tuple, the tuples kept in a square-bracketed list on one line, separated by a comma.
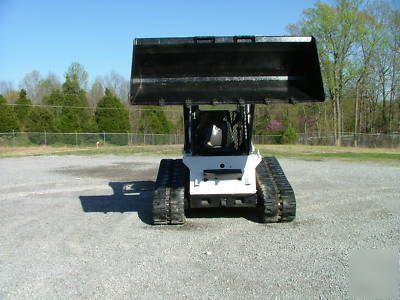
[(22, 108), (111, 116), (40, 119), (75, 117), (8, 118), (72, 116)]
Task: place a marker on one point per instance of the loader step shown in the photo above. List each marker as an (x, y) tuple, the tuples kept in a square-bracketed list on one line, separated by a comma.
[(169, 193), (277, 202)]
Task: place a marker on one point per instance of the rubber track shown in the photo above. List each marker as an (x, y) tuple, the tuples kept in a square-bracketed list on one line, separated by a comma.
[(168, 199), (277, 199)]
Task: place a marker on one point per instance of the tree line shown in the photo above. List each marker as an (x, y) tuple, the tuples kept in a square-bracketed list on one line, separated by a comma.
[(359, 51), (66, 108)]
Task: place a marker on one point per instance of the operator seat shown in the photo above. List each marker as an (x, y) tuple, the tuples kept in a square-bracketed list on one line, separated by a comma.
[(218, 139)]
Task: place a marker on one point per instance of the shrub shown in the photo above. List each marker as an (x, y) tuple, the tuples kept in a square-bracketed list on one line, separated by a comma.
[(154, 121), (289, 136)]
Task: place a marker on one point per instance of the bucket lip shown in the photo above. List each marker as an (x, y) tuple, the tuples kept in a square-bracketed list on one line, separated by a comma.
[(222, 40)]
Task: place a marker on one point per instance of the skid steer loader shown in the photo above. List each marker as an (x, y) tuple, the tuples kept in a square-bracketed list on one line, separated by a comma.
[(220, 166)]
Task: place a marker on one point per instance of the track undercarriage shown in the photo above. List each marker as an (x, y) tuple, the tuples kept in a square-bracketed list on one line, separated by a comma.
[(169, 193), (276, 201)]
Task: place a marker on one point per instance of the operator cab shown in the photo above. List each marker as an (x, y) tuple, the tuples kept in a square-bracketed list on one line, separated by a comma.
[(217, 132)]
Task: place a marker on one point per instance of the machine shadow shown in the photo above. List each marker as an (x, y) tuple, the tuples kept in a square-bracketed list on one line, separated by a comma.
[(135, 196)]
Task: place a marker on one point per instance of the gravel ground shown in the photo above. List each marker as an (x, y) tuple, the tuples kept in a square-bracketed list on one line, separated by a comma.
[(78, 227)]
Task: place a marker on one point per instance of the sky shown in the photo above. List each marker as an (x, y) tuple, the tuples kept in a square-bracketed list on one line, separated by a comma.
[(48, 35)]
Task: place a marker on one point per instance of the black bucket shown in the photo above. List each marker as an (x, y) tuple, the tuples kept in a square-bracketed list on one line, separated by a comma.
[(225, 70)]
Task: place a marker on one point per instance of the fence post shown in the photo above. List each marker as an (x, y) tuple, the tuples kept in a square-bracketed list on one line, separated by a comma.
[(104, 138), (127, 136), (45, 138), (13, 138), (76, 139)]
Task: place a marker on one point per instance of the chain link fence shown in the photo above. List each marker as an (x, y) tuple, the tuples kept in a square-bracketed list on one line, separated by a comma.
[(18, 139), (368, 140), (87, 139)]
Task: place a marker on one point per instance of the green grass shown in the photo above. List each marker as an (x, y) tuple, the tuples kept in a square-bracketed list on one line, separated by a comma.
[(169, 150), (381, 155), (127, 150), (342, 156)]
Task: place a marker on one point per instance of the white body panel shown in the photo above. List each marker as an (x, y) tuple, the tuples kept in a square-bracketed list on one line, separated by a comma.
[(222, 183)]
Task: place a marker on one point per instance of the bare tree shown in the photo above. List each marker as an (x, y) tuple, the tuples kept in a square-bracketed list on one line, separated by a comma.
[(30, 83), (335, 28), (394, 44), (95, 93), (370, 37), (38, 87), (6, 86), (117, 83), (77, 72), (47, 85)]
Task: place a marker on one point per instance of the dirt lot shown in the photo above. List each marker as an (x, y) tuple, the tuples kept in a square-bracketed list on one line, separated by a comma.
[(78, 227)]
